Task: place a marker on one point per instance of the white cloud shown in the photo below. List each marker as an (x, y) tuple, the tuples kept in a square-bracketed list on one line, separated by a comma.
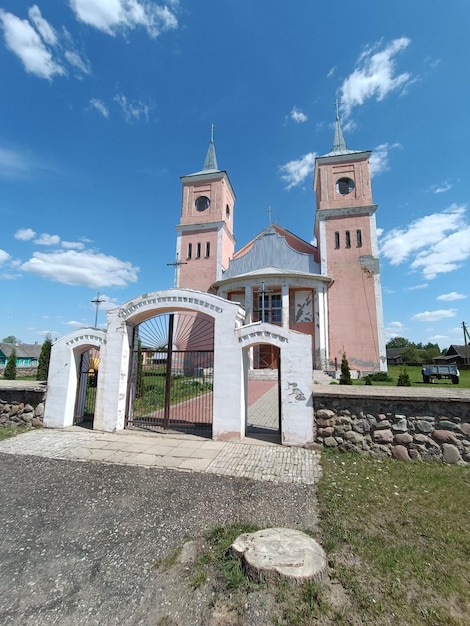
[(25, 234), (298, 116), (331, 72), (442, 188), (379, 158), (114, 16), (43, 27), (449, 297), (13, 164), (295, 172), (99, 106), (87, 268), (77, 62), (73, 245), (416, 287), (394, 329), (133, 111), (374, 76), (434, 316), (439, 242), (4, 256), (47, 240), (29, 45)]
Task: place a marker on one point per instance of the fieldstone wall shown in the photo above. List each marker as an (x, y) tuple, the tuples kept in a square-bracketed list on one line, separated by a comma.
[(22, 407), (417, 434)]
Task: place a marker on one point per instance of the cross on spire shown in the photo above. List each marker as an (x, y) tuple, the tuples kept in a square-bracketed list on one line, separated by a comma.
[(176, 265), (269, 211)]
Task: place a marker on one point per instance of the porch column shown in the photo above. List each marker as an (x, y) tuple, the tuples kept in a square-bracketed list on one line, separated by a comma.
[(285, 305), (321, 329)]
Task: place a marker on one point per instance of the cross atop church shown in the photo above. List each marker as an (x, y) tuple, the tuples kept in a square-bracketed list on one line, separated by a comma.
[(176, 265), (269, 211)]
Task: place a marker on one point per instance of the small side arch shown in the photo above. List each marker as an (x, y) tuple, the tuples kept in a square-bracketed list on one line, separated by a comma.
[(296, 401), (64, 370)]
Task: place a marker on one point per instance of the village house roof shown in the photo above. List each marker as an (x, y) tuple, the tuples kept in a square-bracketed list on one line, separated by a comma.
[(23, 350)]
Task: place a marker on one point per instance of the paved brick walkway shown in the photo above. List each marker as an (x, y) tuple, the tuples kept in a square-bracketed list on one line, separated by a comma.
[(250, 458)]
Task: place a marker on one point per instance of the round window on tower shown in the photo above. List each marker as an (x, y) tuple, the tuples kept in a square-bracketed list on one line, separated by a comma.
[(344, 186), (202, 203)]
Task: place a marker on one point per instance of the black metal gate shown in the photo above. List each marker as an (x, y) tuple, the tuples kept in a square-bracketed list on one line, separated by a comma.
[(171, 382), (86, 388)]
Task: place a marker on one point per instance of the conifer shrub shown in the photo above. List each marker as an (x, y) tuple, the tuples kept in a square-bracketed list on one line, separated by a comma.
[(44, 359), (345, 378), (404, 379), (10, 367)]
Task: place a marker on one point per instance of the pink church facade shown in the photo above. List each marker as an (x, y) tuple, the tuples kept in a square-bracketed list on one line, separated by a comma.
[(330, 291)]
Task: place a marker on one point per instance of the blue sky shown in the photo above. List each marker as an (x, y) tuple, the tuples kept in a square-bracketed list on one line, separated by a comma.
[(106, 103)]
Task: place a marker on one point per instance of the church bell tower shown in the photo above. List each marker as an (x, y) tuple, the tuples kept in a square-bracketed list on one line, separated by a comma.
[(205, 241), (345, 229)]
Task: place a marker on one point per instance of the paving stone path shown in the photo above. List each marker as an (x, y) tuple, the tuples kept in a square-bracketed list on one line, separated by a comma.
[(249, 459)]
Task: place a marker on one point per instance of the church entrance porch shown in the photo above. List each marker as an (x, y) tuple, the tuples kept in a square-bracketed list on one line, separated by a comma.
[(172, 372)]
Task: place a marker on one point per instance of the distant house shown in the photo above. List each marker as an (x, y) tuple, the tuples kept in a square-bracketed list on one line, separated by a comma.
[(27, 354), (455, 354), (394, 356)]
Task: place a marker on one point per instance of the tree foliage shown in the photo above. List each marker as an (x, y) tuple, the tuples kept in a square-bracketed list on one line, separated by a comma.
[(44, 359), (415, 352), (11, 339), (10, 367)]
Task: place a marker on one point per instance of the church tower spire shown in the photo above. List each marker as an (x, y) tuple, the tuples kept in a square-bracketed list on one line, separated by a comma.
[(339, 144), (205, 242), (210, 164)]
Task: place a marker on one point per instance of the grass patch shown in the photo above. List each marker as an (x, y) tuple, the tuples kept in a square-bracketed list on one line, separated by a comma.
[(398, 537), (215, 556), (12, 431), (416, 379)]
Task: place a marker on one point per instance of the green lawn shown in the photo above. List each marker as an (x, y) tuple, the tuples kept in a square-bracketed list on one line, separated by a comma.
[(414, 372), (398, 538)]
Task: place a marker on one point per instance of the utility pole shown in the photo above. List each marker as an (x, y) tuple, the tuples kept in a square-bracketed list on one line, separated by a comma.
[(97, 301), (176, 265), (466, 342)]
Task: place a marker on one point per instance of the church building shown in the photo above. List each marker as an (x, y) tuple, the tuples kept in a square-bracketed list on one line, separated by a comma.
[(330, 291)]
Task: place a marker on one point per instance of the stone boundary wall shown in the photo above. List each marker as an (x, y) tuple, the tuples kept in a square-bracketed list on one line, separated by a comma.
[(22, 407), (404, 429)]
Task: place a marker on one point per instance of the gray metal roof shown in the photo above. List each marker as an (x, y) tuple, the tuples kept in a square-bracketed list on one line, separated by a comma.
[(271, 251), (23, 350)]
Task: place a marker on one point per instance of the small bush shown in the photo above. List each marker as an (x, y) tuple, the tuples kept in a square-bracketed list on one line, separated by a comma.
[(345, 378), (404, 379), (10, 367)]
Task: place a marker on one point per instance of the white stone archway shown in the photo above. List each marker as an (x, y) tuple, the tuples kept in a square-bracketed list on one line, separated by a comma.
[(295, 377), (63, 376), (113, 381)]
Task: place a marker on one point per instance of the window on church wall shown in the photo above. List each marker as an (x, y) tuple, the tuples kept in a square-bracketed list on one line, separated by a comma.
[(269, 308), (198, 250), (336, 239), (348, 239), (190, 250), (359, 238), (208, 249)]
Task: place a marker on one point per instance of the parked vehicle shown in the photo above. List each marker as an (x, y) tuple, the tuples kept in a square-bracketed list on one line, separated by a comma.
[(431, 373)]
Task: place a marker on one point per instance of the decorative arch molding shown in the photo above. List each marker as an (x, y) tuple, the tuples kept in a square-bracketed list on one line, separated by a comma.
[(263, 332), (64, 368), (143, 307)]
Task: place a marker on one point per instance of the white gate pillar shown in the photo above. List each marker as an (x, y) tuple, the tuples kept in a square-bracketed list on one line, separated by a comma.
[(111, 395)]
